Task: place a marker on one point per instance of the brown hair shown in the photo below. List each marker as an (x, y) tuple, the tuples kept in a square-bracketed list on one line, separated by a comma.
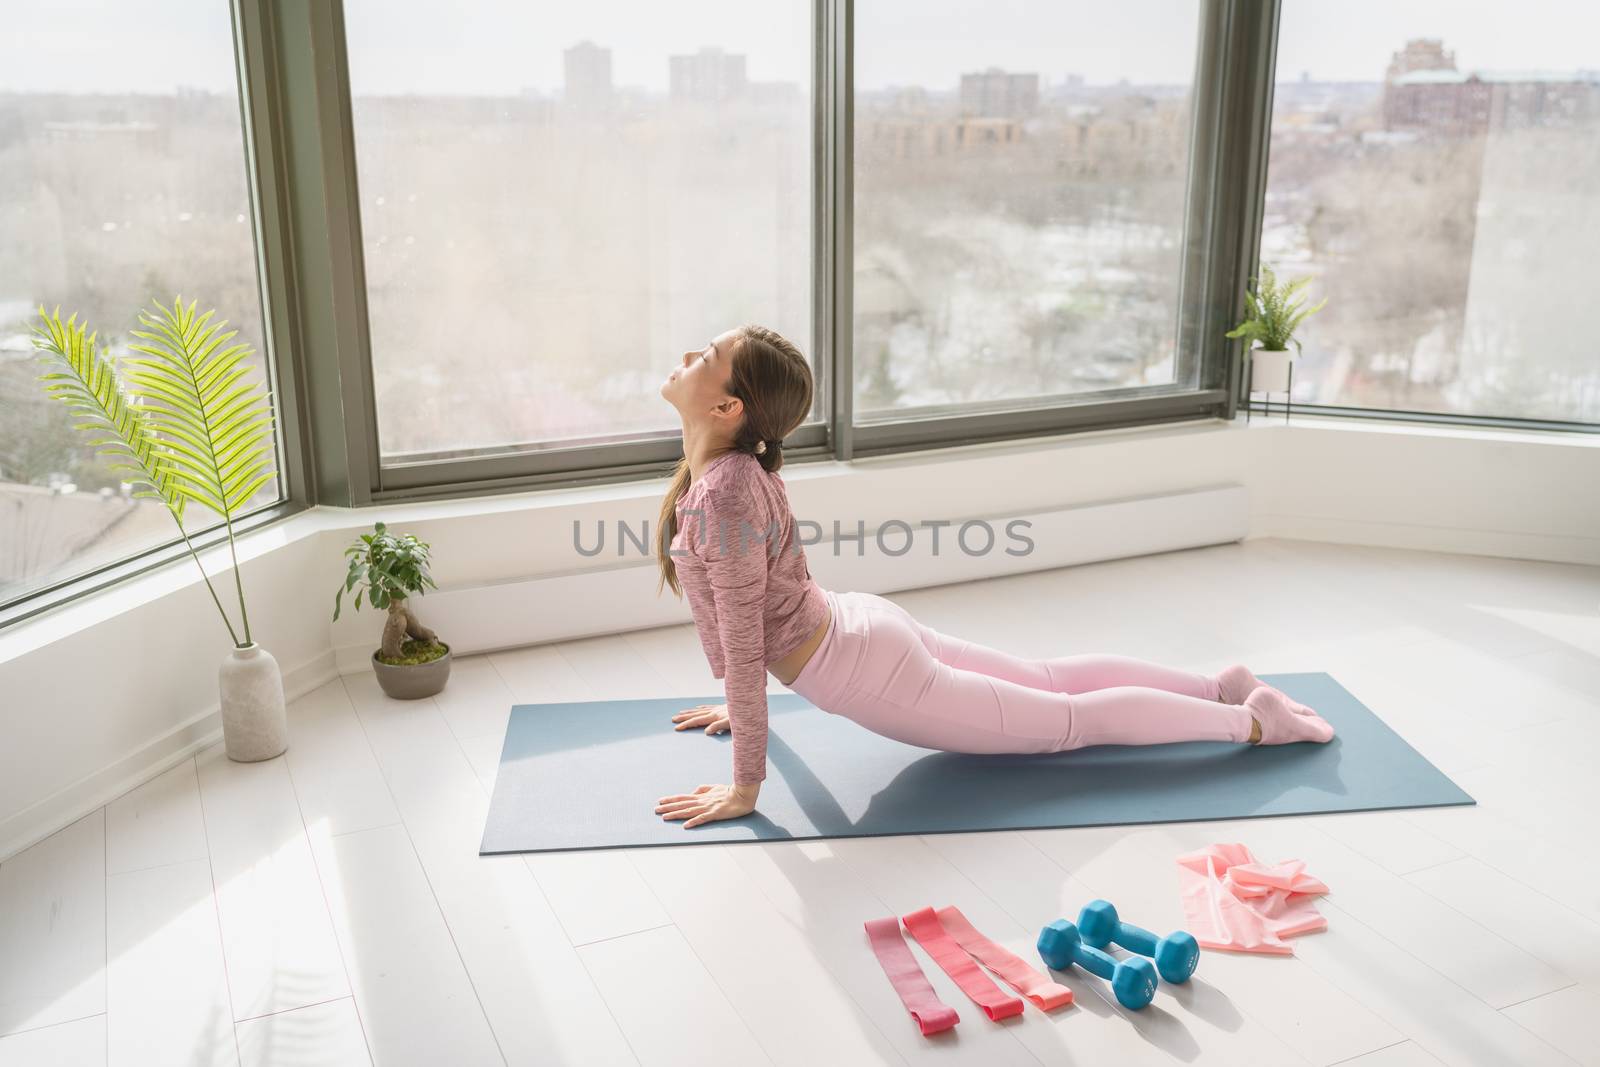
[(773, 380)]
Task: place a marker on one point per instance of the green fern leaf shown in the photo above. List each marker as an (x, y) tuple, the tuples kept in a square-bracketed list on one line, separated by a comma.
[(85, 379), (215, 431)]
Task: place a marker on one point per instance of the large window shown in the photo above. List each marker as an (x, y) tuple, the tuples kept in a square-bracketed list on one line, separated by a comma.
[(122, 182), (1020, 176), (558, 200), (982, 221), (1436, 168)]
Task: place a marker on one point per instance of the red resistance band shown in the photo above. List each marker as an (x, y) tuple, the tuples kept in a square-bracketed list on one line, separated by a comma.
[(916, 993), (1045, 994), (931, 935)]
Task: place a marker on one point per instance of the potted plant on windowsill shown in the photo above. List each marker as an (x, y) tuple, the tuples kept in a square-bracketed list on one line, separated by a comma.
[(411, 662), (181, 424), (1275, 313)]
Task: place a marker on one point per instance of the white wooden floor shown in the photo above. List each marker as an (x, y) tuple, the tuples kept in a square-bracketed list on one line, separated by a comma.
[(329, 906)]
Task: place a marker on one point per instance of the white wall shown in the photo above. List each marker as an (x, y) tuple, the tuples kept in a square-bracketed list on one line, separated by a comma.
[(1519, 495), (100, 694)]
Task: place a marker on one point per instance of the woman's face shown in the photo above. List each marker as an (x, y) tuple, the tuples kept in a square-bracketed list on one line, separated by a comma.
[(699, 383)]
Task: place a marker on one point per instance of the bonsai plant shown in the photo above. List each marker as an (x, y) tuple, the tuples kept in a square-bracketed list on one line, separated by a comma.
[(411, 661), (1275, 313), (183, 424)]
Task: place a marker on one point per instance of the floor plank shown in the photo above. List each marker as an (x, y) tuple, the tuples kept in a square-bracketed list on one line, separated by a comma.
[(158, 823), (1566, 1019), (336, 778), (1387, 839), (669, 1006), (80, 1043), (277, 936), (1403, 1054), (322, 1035), (166, 984), (784, 987), (53, 929), (1559, 936), (539, 1000), (476, 701), (416, 1001)]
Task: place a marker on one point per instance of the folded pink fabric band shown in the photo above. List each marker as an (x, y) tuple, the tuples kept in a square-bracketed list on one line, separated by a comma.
[(930, 933), (1234, 903), (916, 992), (1031, 983)]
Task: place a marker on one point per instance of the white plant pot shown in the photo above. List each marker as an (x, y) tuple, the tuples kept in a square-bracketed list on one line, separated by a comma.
[(255, 724), (1270, 370)]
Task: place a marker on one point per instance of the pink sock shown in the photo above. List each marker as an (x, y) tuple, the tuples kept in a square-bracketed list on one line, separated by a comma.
[(1280, 723), (1236, 682)]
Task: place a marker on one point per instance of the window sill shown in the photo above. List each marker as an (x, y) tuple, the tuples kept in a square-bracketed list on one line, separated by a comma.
[(812, 480)]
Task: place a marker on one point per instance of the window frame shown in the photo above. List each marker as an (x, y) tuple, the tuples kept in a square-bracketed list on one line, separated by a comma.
[(546, 466), (1217, 202), (1222, 195)]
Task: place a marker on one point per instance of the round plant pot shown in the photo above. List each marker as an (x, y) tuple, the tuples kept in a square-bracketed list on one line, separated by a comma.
[(413, 681), (1269, 371), (255, 724)]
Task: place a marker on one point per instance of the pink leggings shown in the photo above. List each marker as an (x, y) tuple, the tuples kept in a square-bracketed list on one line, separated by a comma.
[(882, 668)]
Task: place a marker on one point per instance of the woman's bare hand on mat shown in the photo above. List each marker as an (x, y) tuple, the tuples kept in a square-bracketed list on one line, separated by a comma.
[(714, 717), (709, 803)]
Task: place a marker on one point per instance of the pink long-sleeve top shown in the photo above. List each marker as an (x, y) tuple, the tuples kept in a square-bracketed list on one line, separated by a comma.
[(744, 572)]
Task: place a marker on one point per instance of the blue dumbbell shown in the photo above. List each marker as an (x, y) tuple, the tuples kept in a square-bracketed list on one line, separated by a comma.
[(1133, 980), (1176, 955)]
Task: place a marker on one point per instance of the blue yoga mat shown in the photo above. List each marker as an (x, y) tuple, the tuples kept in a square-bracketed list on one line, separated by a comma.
[(587, 775)]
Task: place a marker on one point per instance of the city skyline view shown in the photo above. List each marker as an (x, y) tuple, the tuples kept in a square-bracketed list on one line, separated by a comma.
[(505, 49)]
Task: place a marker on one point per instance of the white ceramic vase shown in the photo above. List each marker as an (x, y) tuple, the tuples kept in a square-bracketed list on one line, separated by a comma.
[(1269, 370), (255, 724)]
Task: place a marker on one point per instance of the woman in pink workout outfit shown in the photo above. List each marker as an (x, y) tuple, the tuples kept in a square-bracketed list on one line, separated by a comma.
[(728, 542)]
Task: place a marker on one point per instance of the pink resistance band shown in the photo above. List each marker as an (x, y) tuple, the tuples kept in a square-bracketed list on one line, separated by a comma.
[(930, 934), (916, 993), (1045, 994)]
